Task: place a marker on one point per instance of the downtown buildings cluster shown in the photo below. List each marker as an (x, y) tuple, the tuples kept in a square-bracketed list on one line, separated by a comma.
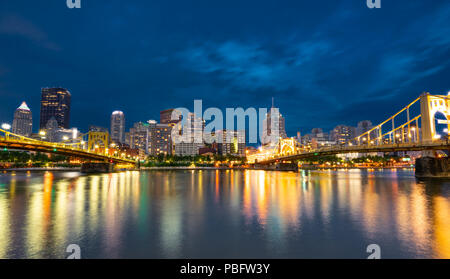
[(340, 135), (141, 140), (153, 138)]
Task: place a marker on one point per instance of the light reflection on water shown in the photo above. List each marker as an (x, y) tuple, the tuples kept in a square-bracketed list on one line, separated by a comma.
[(224, 214)]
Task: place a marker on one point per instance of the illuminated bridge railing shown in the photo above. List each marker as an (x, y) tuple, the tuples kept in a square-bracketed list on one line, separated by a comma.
[(367, 148), (9, 138), (389, 132), (413, 128)]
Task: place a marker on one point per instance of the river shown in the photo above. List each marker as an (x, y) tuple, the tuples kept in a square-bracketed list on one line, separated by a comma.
[(224, 214)]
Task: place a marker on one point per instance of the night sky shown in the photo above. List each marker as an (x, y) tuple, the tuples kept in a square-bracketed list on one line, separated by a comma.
[(325, 62)]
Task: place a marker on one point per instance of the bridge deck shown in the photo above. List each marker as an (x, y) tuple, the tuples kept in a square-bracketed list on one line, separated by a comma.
[(439, 145), (58, 148)]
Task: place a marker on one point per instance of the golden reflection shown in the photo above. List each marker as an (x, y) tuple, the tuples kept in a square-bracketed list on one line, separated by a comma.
[(420, 220), (95, 202), (61, 213), (413, 220), (112, 206), (374, 205), (35, 223), (78, 206), (12, 186), (5, 225), (200, 186), (136, 193), (274, 192), (247, 202), (441, 220), (217, 186), (48, 183), (261, 198), (287, 195)]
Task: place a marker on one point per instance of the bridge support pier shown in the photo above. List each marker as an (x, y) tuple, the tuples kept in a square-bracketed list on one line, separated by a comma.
[(97, 167), (431, 167)]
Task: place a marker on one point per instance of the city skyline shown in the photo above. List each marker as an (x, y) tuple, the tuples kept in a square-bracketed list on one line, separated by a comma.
[(361, 67), (224, 136), (163, 115)]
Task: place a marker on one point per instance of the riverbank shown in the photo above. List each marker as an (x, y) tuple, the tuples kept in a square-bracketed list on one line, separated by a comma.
[(41, 169), (250, 168), (194, 168), (360, 168), (206, 168)]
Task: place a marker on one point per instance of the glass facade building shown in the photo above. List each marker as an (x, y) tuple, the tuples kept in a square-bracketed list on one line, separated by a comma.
[(55, 102)]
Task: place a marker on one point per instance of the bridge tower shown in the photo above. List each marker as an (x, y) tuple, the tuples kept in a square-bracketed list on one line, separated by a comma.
[(98, 140), (429, 106), (287, 147)]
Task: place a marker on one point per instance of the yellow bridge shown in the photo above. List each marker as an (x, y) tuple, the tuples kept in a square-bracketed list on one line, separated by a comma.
[(13, 141), (418, 131)]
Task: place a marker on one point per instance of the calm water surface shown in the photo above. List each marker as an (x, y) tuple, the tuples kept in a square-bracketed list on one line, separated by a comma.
[(224, 214)]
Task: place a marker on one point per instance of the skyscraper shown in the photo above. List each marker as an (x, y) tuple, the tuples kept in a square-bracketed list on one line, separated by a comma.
[(55, 102), (191, 136), (138, 137), (342, 134), (160, 141), (272, 124), (118, 127), (23, 121)]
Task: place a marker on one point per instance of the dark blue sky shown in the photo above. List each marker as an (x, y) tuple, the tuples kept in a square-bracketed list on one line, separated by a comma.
[(325, 62)]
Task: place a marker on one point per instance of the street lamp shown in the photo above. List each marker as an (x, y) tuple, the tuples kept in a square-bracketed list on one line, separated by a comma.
[(6, 126)]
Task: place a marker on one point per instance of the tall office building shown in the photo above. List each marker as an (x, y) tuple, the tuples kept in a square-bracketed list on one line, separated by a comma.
[(23, 121), (118, 127), (139, 137), (270, 129), (342, 134), (159, 141), (55, 102), (191, 133)]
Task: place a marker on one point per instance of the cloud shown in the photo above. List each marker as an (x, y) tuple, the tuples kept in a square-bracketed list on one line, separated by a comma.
[(19, 26), (254, 66), (415, 56), (438, 29)]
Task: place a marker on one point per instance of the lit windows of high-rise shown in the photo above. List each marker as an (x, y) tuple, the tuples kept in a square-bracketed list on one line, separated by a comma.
[(274, 124), (23, 121), (55, 102), (118, 127)]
